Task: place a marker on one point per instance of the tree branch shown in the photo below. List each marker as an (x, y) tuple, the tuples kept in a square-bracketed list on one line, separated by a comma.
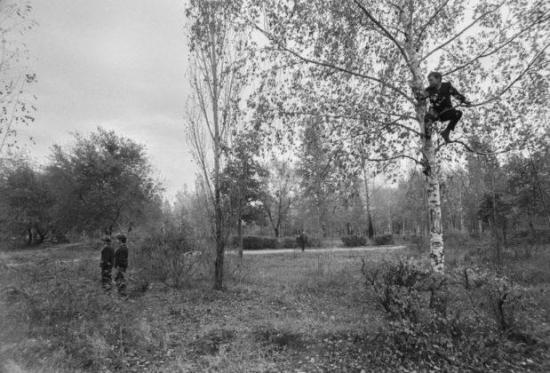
[(330, 65), (486, 53), (357, 117), (457, 35), (469, 148), (400, 156), (507, 88), (427, 24), (384, 31)]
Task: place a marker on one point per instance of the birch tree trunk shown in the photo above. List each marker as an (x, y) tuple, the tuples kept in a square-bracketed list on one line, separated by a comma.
[(240, 235), (431, 170), (370, 226)]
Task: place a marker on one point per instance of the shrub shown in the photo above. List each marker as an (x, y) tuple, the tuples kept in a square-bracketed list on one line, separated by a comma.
[(354, 241), (259, 243), (386, 239), (288, 243), (500, 297), (399, 288), (234, 242), (314, 242), (170, 257)]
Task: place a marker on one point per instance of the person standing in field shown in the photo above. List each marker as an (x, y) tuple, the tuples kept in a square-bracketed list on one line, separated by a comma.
[(106, 263), (121, 264), (302, 240)]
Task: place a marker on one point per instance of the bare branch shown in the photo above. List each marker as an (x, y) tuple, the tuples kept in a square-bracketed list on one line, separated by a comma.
[(457, 35), (330, 65), (469, 148), (487, 52), (384, 31), (357, 117), (399, 156), (518, 78), (429, 22)]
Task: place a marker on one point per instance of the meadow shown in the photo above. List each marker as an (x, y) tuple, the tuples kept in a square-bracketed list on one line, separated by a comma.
[(298, 312)]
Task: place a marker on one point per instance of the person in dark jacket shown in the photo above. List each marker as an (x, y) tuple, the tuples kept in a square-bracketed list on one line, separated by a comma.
[(106, 263), (302, 240), (121, 264), (441, 107)]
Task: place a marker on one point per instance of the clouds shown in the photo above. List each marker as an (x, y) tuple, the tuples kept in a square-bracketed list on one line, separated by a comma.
[(119, 64)]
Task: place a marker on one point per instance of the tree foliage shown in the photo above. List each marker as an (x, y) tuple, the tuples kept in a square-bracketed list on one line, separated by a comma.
[(16, 101), (105, 181), (360, 65)]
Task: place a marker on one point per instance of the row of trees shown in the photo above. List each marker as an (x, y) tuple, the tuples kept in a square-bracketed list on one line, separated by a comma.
[(517, 185), (101, 184)]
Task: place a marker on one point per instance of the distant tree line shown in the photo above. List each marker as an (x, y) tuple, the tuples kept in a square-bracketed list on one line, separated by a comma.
[(102, 184)]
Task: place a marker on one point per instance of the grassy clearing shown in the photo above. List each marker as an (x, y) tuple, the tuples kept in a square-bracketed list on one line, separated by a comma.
[(281, 313)]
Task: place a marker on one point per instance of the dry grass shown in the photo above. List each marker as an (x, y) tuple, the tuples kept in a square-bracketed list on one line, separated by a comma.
[(279, 312)]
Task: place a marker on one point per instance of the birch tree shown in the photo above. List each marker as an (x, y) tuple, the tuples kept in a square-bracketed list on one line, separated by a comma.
[(361, 64), (279, 194), (214, 107)]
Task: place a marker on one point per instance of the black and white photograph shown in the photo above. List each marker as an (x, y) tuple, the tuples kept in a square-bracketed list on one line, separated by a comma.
[(274, 186)]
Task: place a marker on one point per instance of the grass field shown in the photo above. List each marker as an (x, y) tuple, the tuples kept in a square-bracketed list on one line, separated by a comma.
[(280, 313)]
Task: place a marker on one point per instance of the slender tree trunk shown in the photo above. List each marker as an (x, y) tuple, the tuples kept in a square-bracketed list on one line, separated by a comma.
[(218, 218), (496, 233), (461, 213), (240, 235), (431, 170), (437, 257), (370, 226), (538, 184), (390, 221)]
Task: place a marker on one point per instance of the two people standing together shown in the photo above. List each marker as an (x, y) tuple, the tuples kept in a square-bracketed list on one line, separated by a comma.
[(117, 259)]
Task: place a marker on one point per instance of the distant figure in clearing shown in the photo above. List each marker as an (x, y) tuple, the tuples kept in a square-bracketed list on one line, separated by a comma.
[(106, 263), (441, 108), (302, 240), (121, 264)]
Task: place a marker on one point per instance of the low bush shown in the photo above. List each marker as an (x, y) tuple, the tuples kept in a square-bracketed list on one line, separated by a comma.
[(314, 242), (400, 288), (288, 242), (170, 257), (354, 241), (268, 243), (386, 239), (486, 323), (259, 243)]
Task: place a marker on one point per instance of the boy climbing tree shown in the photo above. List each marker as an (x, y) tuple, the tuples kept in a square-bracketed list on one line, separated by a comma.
[(441, 107)]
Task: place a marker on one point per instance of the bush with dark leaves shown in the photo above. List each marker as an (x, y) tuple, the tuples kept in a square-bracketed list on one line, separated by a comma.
[(386, 239), (354, 241)]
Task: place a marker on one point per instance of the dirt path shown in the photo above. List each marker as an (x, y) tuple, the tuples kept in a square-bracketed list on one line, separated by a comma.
[(323, 250)]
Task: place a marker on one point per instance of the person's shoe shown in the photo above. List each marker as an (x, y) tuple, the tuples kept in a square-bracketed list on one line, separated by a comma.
[(426, 170), (445, 134)]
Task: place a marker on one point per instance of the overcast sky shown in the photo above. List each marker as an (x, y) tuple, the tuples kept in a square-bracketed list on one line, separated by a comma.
[(119, 64)]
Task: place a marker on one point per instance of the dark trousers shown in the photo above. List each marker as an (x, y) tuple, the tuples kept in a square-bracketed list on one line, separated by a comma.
[(451, 115), (120, 280), (106, 278)]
